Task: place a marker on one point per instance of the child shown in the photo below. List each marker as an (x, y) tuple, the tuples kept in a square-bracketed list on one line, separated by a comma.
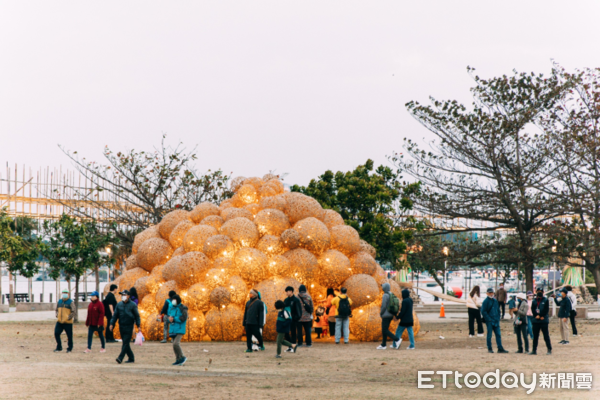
[(320, 321), (284, 324), (512, 306)]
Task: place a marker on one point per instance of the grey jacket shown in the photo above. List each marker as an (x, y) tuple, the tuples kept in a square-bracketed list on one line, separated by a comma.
[(522, 311), (384, 313)]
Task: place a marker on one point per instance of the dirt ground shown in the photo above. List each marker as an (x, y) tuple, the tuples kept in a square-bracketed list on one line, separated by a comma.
[(30, 370)]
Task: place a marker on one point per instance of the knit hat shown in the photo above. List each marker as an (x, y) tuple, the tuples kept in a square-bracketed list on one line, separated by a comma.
[(490, 290), (302, 289), (254, 292)]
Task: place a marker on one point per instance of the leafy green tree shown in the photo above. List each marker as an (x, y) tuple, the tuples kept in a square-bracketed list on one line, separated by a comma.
[(370, 200)]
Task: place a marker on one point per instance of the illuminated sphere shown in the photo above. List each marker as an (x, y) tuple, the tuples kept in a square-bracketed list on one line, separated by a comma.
[(225, 324), (170, 221), (271, 222), (213, 220), (216, 277), (155, 279), (195, 327), (219, 246), (318, 293), (367, 248), (345, 239), (332, 218), (267, 190), (176, 238), (141, 288), (238, 290), (203, 210), (178, 252), (148, 303), (280, 266), (253, 208), (198, 297), (365, 323), (234, 212), (129, 278), (363, 263), (305, 266), (131, 262), (153, 252), (248, 193), (225, 204), (271, 290), (379, 275), (276, 183), (362, 289), (254, 181), (250, 264), (220, 297), (395, 288), (191, 268), (236, 183), (270, 245), (314, 235), (195, 238), (153, 329), (269, 176), (107, 286), (290, 239), (335, 269), (148, 233), (276, 202), (163, 293), (241, 231), (300, 206)]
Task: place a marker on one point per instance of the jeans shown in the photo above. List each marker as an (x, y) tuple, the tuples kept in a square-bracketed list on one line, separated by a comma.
[(475, 315), (166, 329), (521, 332), (253, 330), (307, 326), (109, 334), (291, 335), (126, 335), (91, 330), (496, 329), (530, 326), (411, 334), (177, 347), (58, 329), (281, 341), (342, 325), (572, 318), (502, 306), (536, 336), (385, 331)]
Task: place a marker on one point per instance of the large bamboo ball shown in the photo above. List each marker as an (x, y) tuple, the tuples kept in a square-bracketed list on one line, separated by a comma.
[(271, 222), (269, 332), (219, 246), (250, 264), (155, 279), (198, 297), (317, 292), (148, 233), (290, 239), (300, 206), (379, 275), (153, 252), (273, 289), (131, 262), (305, 266), (280, 266), (236, 183), (275, 183), (170, 221), (225, 324), (129, 278), (178, 252), (141, 287), (335, 269), (363, 263), (345, 239), (148, 304), (253, 208), (203, 210), (314, 235), (225, 264), (152, 329), (270, 245), (176, 238), (267, 190), (362, 289), (220, 297), (234, 212), (248, 194), (254, 181), (367, 248), (238, 289), (395, 288), (332, 218), (275, 202), (216, 277), (196, 236), (163, 293), (365, 323), (213, 220), (188, 269), (241, 231), (108, 285), (195, 327)]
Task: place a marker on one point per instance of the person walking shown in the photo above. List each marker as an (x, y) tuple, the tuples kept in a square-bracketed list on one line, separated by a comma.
[(564, 312), (573, 299), (343, 312), (388, 301), (305, 322), (529, 314), (330, 311), (406, 320), (253, 320), (540, 308), (501, 297), (283, 326), (473, 305), (520, 323), (293, 303), (95, 322), (164, 315), (65, 313), (127, 315), (491, 314), (109, 303), (177, 315)]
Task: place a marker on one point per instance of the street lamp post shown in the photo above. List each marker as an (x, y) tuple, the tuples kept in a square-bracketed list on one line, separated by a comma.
[(554, 279), (445, 252)]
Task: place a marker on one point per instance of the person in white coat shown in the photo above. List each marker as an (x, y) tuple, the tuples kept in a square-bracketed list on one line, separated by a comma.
[(573, 297), (473, 306)]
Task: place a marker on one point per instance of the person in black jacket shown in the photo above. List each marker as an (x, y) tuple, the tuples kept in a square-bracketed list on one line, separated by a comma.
[(110, 303), (293, 303), (406, 320), (540, 308), (564, 313), (126, 314), (254, 316)]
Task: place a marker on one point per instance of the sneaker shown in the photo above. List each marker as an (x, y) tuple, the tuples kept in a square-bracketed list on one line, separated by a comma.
[(278, 356), (129, 362), (309, 345), (533, 353), (561, 342), (118, 340), (567, 342), (480, 335), (164, 341), (503, 351), (262, 348), (182, 361), (176, 362), (397, 344), (68, 351), (519, 352), (295, 349), (335, 343), (102, 350), (289, 350), (470, 336), (57, 350), (247, 351), (119, 361), (300, 345), (490, 351), (346, 342), (410, 348), (380, 347), (549, 353), (87, 351)]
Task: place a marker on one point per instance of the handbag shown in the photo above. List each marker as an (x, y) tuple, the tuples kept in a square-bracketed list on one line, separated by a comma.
[(139, 338)]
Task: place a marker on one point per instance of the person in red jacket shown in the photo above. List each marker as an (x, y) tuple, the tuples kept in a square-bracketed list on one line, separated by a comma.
[(95, 322)]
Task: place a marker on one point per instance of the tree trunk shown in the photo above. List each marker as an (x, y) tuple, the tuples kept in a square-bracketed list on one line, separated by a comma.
[(11, 290), (76, 319), (595, 270), (528, 270), (97, 270)]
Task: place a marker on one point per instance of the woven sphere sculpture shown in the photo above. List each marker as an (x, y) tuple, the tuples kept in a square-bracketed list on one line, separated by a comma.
[(365, 323), (276, 202), (280, 266), (241, 231), (363, 263), (225, 264), (236, 183), (379, 275), (290, 239), (271, 222), (314, 235), (153, 329), (196, 236), (268, 190), (219, 246), (271, 290), (148, 303), (235, 212), (300, 206), (332, 218), (275, 183), (170, 221), (195, 327), (367, 248), (395, 288), (129, 278), (216, 277), (248, 193), (362, 289), (107, 286), (188, 269), (131, 262), (317, 292), (345, 239), (250, 264), (178, 252), (153, 252), (141, 287), (269, 176), (253, 208), (254, 181), (304, 265), (155, 279), (213, 220), (238, 289), (335, 269), (225, 204), (225, 324), (148, 233), (203, 210), (163, 293), (270, 245), (176, 238), (198, 297), (220, 297)]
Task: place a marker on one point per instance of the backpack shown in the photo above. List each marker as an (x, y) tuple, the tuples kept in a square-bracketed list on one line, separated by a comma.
[(307, 306), (343, 309), (393, 304)]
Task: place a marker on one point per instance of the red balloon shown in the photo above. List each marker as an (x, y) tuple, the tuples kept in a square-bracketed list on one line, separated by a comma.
[(457, 292)]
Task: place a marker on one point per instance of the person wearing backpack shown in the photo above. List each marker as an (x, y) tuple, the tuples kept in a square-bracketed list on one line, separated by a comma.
[(305, 322), (389, 308), (406, 320), (343, 312)]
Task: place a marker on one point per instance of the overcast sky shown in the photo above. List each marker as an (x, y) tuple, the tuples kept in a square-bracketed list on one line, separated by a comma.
[(297, 87)]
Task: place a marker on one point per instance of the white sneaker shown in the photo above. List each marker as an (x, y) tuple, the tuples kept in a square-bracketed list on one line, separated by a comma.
[(471, 336), (380, 347), (480, 335), (397, 344)]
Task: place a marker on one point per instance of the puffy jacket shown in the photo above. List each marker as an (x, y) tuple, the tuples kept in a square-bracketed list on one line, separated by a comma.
[(385, 301), (65, 311), (127, 314), (95, 316), (565, 307), (306, 316), (254, 312), (406, 311), (180, 315), (543, 305), (490, 309), (165, 309)]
